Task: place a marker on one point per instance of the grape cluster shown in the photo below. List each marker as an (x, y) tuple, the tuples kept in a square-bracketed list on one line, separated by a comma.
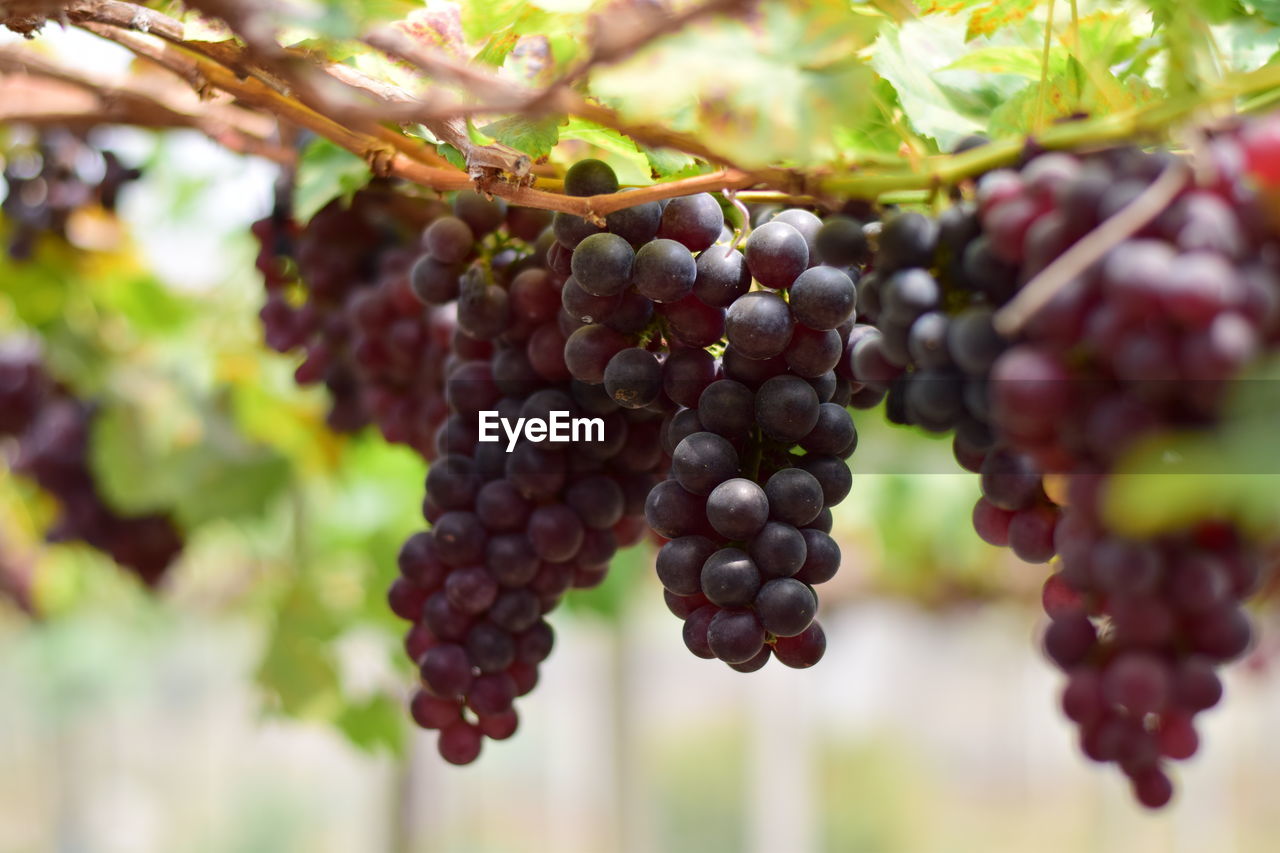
[(338, 290), (1146, 340), (49, 430), (515, 523), (51, 177), (758, 437)]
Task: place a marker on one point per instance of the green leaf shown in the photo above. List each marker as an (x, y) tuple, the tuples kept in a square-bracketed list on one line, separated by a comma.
[(667, 163), (298, 667), (534, 136), (618, 151), (1175, 479), (160, 453), (626, 571), (907, 58), (326, 172), (376, 723)]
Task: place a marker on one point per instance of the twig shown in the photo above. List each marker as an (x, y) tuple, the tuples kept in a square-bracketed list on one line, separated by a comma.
[(40, 91), (1104, 237), (385, 160)]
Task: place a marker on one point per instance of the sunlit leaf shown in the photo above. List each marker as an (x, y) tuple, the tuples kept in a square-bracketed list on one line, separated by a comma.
[(326, 172)]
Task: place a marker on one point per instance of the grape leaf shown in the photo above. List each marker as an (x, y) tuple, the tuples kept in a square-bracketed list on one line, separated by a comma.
[(669, 163), (907, 58), (375, 723), (619, 151), (534, 136), (326, 172), (162, 453)]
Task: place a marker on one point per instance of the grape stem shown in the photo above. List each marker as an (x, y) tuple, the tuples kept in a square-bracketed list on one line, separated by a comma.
[(1090, 249), (739, 234)]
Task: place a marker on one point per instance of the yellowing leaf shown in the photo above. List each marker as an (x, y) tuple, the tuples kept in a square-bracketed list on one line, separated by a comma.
[(997, 14)]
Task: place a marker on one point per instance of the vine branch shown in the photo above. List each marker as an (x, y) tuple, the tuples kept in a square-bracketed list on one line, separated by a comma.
[(352, 110)]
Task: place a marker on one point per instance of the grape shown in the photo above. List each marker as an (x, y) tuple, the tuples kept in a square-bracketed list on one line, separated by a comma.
[(686, 374), (694, 220), (794, 496), (727, 408), (832, 475), (514, 610), (692, 323), (786, 607), (756, 663), (822, 557), (680, 562), (803, 650), (776, 253), (813, 354), (703, 461), (490, 648), (664, 271), (672, 511), (786, 408), (779, 550), (482, 215), (555, 532), (588, 351), (434, 282), (823, 298), (571, 230), (722, 277), (833, 434), (759, 325), (735, 636), (695, 631), (907, 240), (842, 242), (460, 743), (448, 240), (737, 508), (586, 307), (633, 378), (602, 264), (446, 671), (729, 578), (590, 177), (637, 225)]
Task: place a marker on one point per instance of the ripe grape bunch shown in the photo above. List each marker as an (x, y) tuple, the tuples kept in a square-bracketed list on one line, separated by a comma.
[(1145, 340), (338, 290), (48, 430), (511, 532)]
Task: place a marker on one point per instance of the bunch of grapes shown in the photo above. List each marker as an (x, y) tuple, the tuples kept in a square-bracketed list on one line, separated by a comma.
[(1147, 339), (515, 523), (338, 290), (757, 444), (49, 430), (50, 178)]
